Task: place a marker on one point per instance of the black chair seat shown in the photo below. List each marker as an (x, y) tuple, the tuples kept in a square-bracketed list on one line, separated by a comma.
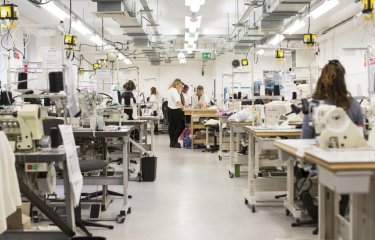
[(92, 165), (113, 147)]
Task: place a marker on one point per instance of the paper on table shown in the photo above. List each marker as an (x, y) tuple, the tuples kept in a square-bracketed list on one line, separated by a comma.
[(74, 171)]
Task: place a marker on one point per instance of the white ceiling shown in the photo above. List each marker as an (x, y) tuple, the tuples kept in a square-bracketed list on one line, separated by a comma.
[(169, 14)]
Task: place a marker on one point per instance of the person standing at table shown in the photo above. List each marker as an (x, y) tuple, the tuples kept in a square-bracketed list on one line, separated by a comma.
[(199, 99), (129, 98), (187, 97), (154, 106), (175, 113)]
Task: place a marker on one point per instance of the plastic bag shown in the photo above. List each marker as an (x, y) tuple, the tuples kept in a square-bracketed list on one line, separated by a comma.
[(245, 115)]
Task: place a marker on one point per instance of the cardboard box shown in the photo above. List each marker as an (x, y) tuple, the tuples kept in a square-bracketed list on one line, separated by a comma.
[(20, 219)]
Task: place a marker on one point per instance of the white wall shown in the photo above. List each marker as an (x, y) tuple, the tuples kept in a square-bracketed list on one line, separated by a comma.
[(344, 44)]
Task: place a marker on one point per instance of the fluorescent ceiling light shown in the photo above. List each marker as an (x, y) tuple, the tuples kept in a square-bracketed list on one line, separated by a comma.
[(323, 8), (121, 57), (55, 10), (193, 23), (127, 61), (81, 28), (297, 25), (260, 52), (97, 40), (194, 4), (192, 36), (276, 39)]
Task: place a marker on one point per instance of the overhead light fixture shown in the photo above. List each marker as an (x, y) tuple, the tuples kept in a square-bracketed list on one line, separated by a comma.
[(279, 54), (193, 23), (55, 10), (323, 8), (70, 40), (97, 40), (276, 39), (244, 62), (194, 4), (81, 28), (9, 12), (368, 6), (297, 25), (260, 52), (309, 39)]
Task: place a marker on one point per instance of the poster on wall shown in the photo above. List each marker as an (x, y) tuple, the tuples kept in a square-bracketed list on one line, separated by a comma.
[(52, 59)]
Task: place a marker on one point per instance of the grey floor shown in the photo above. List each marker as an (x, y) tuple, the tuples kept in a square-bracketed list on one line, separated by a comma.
[(193, 198)]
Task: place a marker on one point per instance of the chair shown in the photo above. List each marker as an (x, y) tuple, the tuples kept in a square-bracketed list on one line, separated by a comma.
[(85, 166)]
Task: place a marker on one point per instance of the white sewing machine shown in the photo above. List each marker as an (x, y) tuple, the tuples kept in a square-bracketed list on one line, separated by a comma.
[(335, 128), (24, 127)]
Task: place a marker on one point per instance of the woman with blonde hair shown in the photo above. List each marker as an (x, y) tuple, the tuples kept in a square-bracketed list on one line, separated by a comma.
[(175, 113)]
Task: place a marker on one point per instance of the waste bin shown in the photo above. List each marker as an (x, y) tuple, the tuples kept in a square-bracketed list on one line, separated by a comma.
[(148, 168)]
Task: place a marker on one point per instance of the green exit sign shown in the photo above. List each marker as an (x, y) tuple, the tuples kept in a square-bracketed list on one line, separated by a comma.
[(206, 56)]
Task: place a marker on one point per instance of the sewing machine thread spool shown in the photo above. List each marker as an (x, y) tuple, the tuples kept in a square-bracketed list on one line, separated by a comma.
[(239, 95), (276, 90), (56, 82), (294, 95), (22, 77), (54, 134)]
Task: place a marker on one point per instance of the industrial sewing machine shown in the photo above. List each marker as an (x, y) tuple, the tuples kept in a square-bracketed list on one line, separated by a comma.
[(24, 129), (335, 128)]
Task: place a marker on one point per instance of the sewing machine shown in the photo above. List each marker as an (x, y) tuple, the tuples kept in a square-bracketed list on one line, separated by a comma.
[(335, 128), (24, 127)]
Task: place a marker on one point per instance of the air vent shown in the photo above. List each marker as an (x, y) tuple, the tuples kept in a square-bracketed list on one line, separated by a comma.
[(111, 14)]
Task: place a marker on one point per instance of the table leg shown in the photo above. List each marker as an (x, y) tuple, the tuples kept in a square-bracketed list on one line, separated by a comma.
[(125, 149), (326, 213), (152, 126)]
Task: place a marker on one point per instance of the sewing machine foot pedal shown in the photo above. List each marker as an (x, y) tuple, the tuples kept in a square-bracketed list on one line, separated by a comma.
[(231, 175), (129, 211)]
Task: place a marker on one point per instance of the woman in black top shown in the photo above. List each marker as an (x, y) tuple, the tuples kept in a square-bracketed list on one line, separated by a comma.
[(129, 98)]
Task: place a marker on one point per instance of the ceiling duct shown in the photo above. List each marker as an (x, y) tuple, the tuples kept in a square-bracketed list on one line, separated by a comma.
[(276, 11)]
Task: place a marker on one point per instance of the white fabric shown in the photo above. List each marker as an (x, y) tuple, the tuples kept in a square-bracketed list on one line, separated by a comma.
[(173, 98), (187, 98), (202, 100), (10, 196)]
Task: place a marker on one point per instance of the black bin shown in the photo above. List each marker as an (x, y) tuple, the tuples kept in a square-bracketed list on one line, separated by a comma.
[(88, 238), (148, 168)]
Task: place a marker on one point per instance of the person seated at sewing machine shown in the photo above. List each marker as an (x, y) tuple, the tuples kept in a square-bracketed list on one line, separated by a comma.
[(129, 98), (199, 99), (331, 89)]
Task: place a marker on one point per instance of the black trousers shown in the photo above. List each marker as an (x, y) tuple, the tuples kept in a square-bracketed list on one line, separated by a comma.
[(156, 129), (176, 124)]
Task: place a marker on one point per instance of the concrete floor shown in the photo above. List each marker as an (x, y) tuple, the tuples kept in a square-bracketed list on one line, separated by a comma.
[(194, 198)]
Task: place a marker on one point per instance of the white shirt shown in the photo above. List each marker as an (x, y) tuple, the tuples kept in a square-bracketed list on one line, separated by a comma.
[(187, 99), (173, 98), (202, 100), (154, 103)]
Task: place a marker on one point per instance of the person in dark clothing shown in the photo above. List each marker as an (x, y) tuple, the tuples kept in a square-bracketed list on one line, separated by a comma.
[(175, 113), (129, 98)]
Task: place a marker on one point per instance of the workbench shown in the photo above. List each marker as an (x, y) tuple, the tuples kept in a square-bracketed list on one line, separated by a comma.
[(261, 138), (123, 133), (291, 151), (235, 159), (65, 228), (195, 125), (340, 171)]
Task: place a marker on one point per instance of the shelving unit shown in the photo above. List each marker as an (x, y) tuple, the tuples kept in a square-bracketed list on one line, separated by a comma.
[(196, 125)]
